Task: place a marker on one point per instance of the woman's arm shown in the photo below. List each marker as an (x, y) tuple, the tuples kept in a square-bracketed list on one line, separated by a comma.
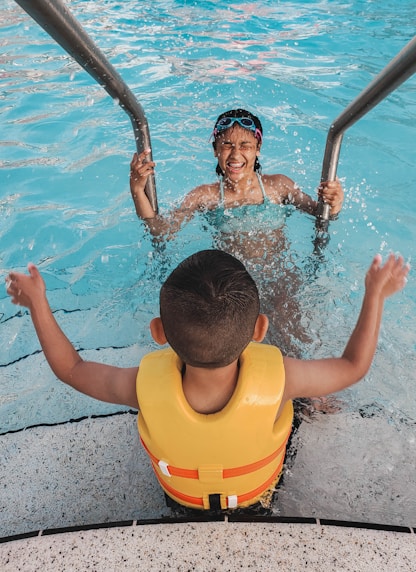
[(140, 169), (330, 192), (158, 225)]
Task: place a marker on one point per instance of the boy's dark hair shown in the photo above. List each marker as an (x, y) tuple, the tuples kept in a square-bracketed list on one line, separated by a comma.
[(209, 306), (238, 113)]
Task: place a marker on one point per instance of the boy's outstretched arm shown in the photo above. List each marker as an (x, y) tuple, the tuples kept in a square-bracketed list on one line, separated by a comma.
[(103, 382), (308, 378)]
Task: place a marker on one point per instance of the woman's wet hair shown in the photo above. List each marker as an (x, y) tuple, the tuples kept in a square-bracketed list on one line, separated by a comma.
[(209, 306), (239, 113)]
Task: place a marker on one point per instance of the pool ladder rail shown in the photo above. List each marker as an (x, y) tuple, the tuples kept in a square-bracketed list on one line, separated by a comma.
[(56, 19), (393, 75)]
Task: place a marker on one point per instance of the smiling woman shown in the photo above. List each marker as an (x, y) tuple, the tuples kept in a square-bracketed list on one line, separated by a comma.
[(246, 212), (238, 136)]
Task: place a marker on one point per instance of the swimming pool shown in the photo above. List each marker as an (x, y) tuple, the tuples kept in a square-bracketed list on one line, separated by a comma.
[(66, 147)]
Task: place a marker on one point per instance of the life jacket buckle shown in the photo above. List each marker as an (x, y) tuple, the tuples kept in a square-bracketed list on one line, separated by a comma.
[(164, 468), (232, 501)]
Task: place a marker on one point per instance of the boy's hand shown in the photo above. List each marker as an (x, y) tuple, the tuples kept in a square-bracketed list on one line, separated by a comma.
[(26, 290), (331, 192), (387, 279), (140, 169)]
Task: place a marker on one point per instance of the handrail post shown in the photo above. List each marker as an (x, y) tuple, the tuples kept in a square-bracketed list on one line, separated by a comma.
[(393, 75), (56, 19)]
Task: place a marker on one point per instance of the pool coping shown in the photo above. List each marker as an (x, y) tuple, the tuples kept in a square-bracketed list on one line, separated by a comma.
[(221, 518), (283, 544)]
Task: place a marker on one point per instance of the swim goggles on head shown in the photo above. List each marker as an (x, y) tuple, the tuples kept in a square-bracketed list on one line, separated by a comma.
[(245, 122)]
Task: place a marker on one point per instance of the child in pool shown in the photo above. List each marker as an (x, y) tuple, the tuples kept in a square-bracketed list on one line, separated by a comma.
[(243, 201), (237, 140), (215, 408)]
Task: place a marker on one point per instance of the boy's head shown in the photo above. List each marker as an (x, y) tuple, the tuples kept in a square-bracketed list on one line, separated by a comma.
[(209, 306)]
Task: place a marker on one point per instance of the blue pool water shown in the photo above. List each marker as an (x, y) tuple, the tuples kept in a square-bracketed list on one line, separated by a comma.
[(64, 164)]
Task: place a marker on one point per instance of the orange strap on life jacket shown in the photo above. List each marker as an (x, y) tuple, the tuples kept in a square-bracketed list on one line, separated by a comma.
[(198, 501), (169, 470)]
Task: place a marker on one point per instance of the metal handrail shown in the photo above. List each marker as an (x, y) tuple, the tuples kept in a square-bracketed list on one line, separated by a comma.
[(393, 75), (55, 18)]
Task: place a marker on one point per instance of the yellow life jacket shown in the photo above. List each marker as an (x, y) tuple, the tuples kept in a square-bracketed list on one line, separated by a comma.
[(235, 454)]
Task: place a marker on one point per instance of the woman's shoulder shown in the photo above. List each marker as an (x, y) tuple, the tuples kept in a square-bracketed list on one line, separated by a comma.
[(203, 196), (277, 178), (278, 185), (206, 188)]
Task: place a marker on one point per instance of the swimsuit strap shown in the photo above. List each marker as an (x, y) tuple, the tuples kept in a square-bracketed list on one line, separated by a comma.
[(265, 197), (263, 192), (221, 201)]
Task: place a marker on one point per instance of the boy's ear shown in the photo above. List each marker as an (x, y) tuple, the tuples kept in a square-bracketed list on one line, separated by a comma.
[(158, 332), (261, 327)]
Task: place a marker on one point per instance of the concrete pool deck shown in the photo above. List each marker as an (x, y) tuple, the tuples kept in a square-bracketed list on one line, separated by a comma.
[(58, 482), (214, 546)]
